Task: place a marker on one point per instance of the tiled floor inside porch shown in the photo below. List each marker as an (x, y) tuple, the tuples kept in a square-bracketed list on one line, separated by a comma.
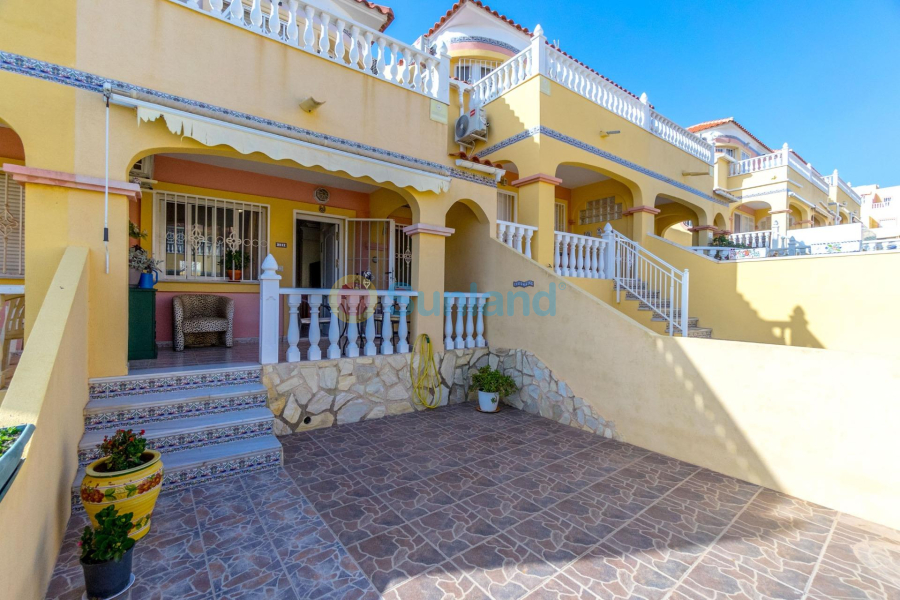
[(452, 503)]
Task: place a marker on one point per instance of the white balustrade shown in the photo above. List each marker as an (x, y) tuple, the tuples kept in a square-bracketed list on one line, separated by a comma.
[(651, 280), (753, 239), (756, 163), (516, 236), (311, 29), (682, 138), (717, 252), (544, 59), (580, 256), (469, 319), (349, 315)]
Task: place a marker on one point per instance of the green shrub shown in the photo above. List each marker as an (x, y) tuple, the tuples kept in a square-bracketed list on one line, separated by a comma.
[(492, 381), (110, 540), (123, 450)]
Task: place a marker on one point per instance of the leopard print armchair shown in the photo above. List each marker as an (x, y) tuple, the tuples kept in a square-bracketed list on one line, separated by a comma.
[(203, 320)]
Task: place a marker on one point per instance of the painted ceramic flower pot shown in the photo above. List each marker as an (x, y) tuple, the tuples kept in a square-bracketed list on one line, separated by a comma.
[(488, 401), (9, 460), (107, 579), (131, 491)]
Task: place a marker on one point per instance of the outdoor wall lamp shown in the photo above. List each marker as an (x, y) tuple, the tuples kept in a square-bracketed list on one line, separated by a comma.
[(605, 134), (309, 104)]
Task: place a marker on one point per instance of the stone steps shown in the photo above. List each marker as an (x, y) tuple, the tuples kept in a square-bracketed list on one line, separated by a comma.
[(208, 423), (656, 306), (189, 432)]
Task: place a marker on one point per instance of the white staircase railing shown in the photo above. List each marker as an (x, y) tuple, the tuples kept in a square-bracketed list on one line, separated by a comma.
[(653, 281), (580, 256), (516, 236)]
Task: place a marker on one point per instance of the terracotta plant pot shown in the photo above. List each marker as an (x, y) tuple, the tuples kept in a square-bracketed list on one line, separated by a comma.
[(107, 579), (235, 275), (488, 401), (132, 491)]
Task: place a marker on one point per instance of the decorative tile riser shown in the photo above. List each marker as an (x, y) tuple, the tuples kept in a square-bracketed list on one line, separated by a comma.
[(152, 414), (188, 441), (186, 478), (174, 383)]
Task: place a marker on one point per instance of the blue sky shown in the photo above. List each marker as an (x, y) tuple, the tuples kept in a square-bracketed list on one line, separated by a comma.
[(823, 76)]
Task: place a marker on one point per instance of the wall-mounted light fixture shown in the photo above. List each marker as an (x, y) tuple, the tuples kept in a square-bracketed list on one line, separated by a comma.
[(309, 104), (605, 134)]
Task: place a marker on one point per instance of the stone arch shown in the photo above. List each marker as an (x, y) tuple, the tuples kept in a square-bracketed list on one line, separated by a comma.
[(610, 195), (471, 232), (750, 216), (799, 215), (677, 220), (719, 223)]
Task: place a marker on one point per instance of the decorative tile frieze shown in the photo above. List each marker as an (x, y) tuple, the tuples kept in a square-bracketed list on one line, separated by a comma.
[(23, 65), (172, 382), (193, 439), (552, 133), (479, 39), (192, 408)]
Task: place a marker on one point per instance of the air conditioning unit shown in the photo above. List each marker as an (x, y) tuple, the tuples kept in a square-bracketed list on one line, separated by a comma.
[(472, 126)]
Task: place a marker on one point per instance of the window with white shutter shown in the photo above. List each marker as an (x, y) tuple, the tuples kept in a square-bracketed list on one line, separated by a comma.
[(12, 227)]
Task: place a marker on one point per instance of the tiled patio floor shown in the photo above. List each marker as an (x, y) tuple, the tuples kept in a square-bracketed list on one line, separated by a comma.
[(456, 504)]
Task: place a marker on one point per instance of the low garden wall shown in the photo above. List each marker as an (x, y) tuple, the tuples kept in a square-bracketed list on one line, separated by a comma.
[(311, 395)]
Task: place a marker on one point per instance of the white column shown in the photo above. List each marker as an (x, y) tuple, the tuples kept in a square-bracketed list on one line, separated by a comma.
[(609, 257), (370, 349), (309, 36), (334, 328), (528, 234), (479, 324), (501, 232), (519, 230), (324, 42), (460, 342), (402, 343), (269, 305), (600, 255), (470, 323), (293, 351), (315, 302), (339, 41), (573, 256), (352, 327), (387, 329), (579, 254), (564, 255), (448, 323)]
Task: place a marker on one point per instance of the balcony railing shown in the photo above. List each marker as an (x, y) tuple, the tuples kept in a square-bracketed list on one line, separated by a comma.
[(311, 29), (834, 179), (786, 157), (581, 256), (516, 235), (469, 320), (544, 59)]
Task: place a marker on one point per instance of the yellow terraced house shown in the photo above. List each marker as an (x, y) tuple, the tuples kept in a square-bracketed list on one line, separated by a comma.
[(320, 194)]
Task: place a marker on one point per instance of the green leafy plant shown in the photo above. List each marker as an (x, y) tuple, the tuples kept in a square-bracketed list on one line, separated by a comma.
[(492, 381), (723, 242), (8, 436), (123, 450), (135, 233), (141, 260), (235, 260), (110, 540)]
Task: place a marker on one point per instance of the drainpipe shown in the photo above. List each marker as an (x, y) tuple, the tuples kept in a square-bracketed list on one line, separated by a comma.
[(107, 92)]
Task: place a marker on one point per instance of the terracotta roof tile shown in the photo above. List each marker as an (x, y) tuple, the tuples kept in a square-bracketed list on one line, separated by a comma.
[(712, 124), (455, 8), (385, 10)]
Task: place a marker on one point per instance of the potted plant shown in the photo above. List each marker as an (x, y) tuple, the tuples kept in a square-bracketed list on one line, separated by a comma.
[(12, 443), (235, 261), (128, 475), (140, 260), (106, 554), (492, 385)]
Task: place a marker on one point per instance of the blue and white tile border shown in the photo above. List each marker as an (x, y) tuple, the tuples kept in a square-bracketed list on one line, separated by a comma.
[(552, 133), (23, 65)]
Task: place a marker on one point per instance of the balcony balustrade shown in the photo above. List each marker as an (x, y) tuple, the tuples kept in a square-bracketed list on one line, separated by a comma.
[(516, 235)]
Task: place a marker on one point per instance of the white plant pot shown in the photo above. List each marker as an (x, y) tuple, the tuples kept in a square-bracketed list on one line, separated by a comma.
[(488, 402)]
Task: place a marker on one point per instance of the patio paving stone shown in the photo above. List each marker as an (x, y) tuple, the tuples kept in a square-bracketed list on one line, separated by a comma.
[(454, 504)]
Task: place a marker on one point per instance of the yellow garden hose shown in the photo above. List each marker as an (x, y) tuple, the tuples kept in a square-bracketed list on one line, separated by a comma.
[(424, 373)]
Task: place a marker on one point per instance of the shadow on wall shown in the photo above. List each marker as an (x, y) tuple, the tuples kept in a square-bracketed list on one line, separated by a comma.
[(763, 413), (717, 300)]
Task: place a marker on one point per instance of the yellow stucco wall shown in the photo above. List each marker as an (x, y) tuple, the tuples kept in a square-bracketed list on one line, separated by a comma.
[(793, 301), (693, 399), (49, 390)]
